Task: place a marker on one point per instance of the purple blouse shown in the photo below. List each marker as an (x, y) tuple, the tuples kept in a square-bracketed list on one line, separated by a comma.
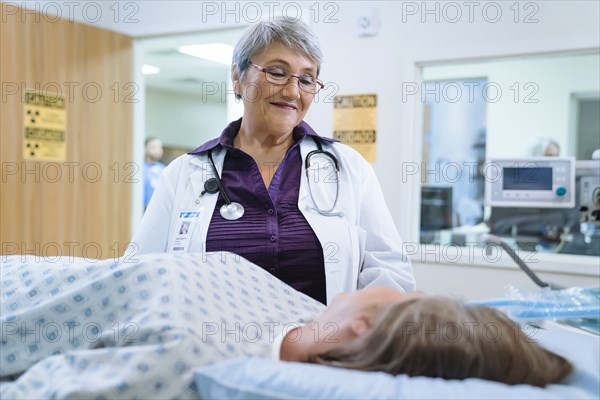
[(272, 233)]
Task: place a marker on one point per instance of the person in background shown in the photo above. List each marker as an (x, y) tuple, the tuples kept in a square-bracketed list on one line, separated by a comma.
[(304, 207), (152, 167), (546, 147)]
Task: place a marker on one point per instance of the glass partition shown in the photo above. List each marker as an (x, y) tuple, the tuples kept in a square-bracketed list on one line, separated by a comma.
[(518, 107)]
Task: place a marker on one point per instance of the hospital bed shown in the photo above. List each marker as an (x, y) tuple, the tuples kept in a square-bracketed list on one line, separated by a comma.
[(158, 363)]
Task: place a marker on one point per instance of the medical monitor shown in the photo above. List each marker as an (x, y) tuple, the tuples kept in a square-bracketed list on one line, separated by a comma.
[(542, 182)]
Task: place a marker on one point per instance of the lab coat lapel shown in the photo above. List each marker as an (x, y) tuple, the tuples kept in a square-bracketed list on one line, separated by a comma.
[(206, 203), (333, 233)]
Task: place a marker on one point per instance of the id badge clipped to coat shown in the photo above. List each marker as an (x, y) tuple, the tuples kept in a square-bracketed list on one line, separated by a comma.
[(185, 228)]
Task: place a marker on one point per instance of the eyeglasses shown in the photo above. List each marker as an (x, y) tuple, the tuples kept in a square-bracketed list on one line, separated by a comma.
[(279, 76)]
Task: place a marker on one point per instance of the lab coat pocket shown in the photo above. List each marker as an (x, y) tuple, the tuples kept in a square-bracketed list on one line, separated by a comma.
[(358, 238), (331, 256), (345, 256)]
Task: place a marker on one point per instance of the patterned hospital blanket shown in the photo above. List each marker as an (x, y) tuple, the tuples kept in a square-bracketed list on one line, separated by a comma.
[(104, 329)]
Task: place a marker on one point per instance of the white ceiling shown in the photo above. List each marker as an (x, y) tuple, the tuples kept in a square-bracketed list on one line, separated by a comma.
[(150, 17), (182, 73), (161, 27)]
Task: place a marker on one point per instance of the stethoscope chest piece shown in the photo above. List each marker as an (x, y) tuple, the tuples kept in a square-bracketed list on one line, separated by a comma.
[(232, 211)]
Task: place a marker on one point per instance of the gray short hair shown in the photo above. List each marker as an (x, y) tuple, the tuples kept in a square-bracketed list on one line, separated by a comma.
[(290, 32)]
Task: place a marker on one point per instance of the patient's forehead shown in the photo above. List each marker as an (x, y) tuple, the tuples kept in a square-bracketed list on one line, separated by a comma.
[(385, 295)]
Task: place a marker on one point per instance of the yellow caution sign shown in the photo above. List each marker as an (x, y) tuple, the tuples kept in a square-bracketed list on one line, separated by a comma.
[(355, 123), (44, 121)]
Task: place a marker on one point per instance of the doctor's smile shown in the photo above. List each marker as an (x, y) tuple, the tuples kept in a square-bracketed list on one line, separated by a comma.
[(287, 106)]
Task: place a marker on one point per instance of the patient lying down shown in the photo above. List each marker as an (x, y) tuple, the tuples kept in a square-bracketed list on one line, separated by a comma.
[(417, 335), (139, 329)]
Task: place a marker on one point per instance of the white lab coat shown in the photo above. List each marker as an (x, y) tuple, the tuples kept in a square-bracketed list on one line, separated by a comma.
[(361, 248)]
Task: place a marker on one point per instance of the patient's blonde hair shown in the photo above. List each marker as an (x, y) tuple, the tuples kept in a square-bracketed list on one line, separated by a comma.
[(440, 337)]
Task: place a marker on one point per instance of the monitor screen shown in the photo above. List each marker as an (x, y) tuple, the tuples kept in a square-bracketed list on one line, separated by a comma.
[(436, 208), (529, 178)]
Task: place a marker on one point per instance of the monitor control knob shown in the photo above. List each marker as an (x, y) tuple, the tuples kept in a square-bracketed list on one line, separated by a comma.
[(561, 191)]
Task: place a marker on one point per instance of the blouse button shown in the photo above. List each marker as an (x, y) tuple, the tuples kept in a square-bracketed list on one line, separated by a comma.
[(272, 238), (270, 211)]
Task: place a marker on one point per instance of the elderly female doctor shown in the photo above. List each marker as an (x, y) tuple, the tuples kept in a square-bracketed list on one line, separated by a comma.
[(307, 209)]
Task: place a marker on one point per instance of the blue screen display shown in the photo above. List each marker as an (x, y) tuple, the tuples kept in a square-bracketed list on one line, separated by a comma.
[(533, 178)]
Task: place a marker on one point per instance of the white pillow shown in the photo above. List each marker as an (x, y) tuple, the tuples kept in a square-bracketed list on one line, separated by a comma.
[(257, 378)]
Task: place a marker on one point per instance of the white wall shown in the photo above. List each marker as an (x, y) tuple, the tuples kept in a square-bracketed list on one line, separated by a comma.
[(516, 121), (384, 64), (181, 120)]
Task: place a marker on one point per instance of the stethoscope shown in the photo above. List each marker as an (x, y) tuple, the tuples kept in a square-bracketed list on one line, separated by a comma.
[(232, 211), (329, 212)]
